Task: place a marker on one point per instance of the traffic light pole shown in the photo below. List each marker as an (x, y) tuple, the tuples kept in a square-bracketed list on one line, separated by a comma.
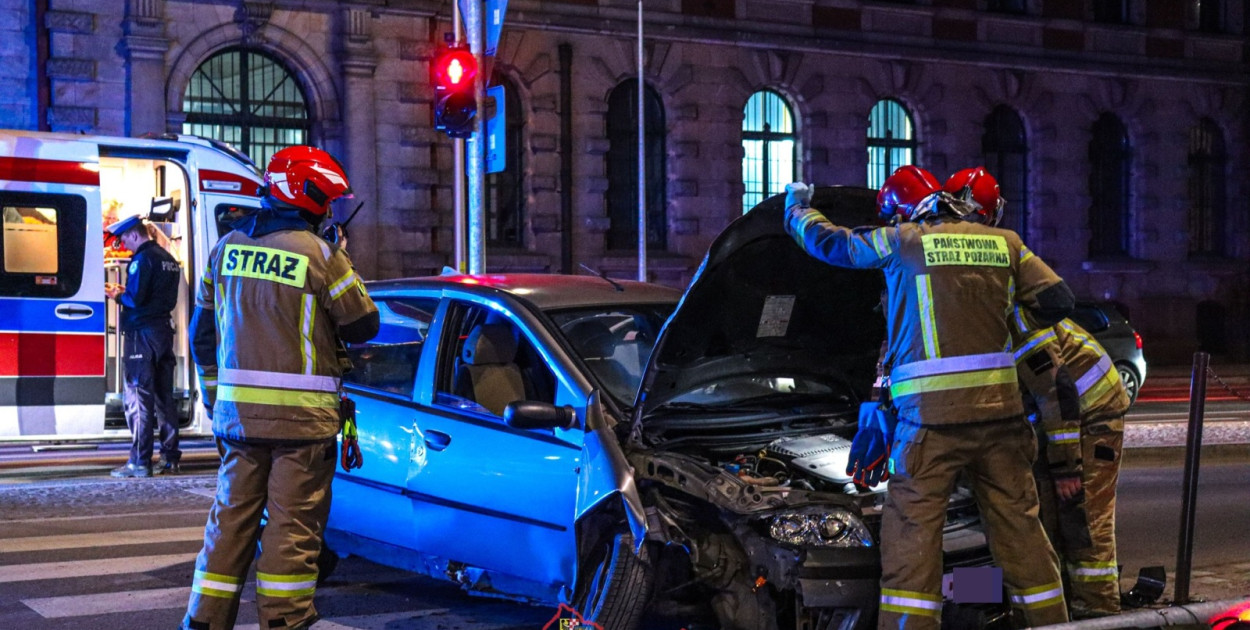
[(476, 158), (457, 158)]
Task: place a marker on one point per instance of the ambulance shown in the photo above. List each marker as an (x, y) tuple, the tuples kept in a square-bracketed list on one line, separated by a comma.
[(60, 359)]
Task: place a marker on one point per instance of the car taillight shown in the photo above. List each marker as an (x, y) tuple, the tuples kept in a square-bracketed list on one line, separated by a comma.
[(1137, 338)]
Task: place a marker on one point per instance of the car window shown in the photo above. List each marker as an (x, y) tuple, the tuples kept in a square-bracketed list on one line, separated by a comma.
[(389, 361), (42, 239), (486, 362), (1089, 317), (615, 343)]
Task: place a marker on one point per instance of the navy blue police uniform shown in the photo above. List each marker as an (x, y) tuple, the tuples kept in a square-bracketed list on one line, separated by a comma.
[(152, 284)]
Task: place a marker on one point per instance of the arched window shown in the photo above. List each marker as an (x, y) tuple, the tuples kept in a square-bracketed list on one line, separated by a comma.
[(891, 140), (505, 196), (1109, 155), (768, 147), (1006, 152), (622, 195), (248, 99), (1206, 189)]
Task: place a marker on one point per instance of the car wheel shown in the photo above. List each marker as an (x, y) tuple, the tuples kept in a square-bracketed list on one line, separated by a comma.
[(1131, 383), (615, 584)]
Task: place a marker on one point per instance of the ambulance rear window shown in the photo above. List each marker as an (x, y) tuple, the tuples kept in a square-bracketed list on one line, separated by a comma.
[(42, 237)]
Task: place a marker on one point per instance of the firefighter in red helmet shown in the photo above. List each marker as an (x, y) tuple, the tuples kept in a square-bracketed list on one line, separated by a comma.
[(951, 285), (274, 304)]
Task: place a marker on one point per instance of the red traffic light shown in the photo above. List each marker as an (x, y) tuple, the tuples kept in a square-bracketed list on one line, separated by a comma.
[(454, 69)]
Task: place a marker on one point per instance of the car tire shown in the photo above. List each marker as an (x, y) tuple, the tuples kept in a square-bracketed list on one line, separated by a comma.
[(616, 584), (1131, 381)]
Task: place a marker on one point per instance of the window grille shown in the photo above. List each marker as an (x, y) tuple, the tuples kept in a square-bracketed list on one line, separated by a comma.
[(768, 146), (1006, 151), (1206, 189), (622, 162), (891, 140), (1109, 155), (248, 99)]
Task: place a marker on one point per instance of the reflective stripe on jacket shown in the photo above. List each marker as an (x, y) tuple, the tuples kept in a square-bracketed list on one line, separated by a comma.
[(278, 301), (951, 288), (1098, 387)]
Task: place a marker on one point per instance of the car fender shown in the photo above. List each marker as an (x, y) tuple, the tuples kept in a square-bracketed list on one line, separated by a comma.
[(606, 474)]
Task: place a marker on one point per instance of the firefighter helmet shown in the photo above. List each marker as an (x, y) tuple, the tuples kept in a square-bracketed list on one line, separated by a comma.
[(902, 192), (307, 178), (977, 186)]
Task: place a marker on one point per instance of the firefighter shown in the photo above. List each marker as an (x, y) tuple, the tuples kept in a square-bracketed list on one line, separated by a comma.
[(275, 301), (951, 285), (148, 298), (1074, 392)]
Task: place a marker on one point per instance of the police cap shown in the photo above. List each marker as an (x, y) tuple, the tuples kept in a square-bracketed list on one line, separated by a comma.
[(125, 225)]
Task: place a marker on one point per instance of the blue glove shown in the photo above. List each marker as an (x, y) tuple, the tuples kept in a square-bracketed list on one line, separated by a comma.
[(798, 194), (870, 450)]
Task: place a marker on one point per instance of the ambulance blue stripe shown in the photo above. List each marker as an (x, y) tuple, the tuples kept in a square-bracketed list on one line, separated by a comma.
[(38, 315)]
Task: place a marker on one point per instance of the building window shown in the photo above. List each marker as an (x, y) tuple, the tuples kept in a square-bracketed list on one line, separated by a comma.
[(891, 140), (1109, 154), (505, 196), (248, 99), (768, 147), (1111, 11), (1210, 16), (1206, 190), (622, 195), (1019, 7), (1006, 151)]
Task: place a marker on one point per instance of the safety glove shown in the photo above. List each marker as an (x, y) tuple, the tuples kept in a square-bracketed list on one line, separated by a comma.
[(798, 194), (870, 450)]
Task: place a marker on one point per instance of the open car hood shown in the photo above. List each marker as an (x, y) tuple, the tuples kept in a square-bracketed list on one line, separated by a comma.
[(760, 305)]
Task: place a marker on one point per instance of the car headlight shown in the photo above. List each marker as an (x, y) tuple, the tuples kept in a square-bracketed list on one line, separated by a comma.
[(820, 527)]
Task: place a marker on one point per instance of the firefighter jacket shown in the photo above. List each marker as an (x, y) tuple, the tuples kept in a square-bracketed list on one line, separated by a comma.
[(951, 286), (1050, 395), (152, 283), (279, 300), (1099, 393)]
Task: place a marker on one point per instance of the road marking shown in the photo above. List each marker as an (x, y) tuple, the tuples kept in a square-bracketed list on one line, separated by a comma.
[(91, 568), (97, 517), (105, 603), (104, 539)]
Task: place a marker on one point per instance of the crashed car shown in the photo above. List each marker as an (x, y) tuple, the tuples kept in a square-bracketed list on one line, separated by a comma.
[(631, 450)]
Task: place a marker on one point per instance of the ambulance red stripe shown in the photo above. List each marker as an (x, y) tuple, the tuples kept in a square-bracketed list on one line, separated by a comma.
[(50, 354), (20, 169)]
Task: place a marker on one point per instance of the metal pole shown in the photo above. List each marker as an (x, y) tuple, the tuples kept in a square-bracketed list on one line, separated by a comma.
[(642, 163), (1193, 449), (457, 158), (476, 163), (1190, 616)]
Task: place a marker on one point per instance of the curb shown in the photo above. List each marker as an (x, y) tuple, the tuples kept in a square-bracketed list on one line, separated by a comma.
[(1211, 454)]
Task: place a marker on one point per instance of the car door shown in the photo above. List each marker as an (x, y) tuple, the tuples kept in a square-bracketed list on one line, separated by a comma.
[(486, 494), (372, 501)]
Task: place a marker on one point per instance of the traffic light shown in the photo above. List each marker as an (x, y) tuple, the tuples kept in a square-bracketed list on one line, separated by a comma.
[(455, 104)]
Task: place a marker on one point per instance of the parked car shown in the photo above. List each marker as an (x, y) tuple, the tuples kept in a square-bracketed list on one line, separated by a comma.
[(621, 446), (1116, 335)]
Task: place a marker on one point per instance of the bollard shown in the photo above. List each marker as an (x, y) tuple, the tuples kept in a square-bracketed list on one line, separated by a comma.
[(1193, 449)]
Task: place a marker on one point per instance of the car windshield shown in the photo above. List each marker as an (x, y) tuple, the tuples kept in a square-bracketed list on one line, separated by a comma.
[(615, 342)]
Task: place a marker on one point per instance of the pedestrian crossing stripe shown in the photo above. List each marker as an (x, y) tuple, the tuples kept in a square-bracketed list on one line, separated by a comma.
[(102, 539), (91, 568)]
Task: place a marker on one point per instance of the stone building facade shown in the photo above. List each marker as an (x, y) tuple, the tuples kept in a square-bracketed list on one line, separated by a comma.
[(1162, 68)]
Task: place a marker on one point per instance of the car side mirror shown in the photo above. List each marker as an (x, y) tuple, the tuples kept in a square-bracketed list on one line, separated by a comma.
[(528, 414)]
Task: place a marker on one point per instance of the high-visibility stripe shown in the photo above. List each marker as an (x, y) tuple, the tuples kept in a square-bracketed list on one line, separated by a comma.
[(1034, 342), (924, 291), (284, 397), (341, 285), (1038, 597), (1021, 326), (1064, 436), (948, 365), (308, 349), (944, 382), (910, 603), (1025, 254), (1090, 378), (215, 584), (1095, 572), (881, 243), (271, 585), (279, 380)]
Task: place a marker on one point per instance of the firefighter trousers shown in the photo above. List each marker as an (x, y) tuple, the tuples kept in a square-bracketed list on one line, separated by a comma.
[(1087, 547), (292, 480), (149, 395), (996, 459)]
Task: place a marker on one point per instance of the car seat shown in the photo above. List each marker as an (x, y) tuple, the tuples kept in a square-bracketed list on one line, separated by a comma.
[(487, 373), (596, 344)]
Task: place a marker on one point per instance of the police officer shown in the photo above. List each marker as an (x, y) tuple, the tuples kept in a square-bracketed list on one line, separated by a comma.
[(274, 303), (148, 297), (951, 286)]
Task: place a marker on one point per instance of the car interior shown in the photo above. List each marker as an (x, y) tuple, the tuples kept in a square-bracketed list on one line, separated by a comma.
[(489, 363)]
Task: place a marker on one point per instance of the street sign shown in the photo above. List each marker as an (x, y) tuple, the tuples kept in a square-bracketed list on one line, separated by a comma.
[(494, 127), (495, 10)]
